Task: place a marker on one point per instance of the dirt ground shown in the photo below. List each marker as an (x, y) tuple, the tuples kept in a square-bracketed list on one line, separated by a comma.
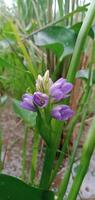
[(13, 133)]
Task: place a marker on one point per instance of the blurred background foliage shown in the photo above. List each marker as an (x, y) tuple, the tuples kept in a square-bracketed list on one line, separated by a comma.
[(36, 35)]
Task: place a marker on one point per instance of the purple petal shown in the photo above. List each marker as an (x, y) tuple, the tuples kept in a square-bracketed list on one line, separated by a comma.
[(66, 88), (67, 114), (62, 112), (57, 85), (57, 95), (27, 102), (27, 106), (28, 96), (40, 99), (60, 89)]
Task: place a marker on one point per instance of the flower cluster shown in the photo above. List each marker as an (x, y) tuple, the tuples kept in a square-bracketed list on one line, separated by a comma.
[(49, 92)]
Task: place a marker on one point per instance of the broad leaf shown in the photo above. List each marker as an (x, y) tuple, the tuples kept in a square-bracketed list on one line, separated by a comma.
[(28, 116), (57, 39), (12, 188)]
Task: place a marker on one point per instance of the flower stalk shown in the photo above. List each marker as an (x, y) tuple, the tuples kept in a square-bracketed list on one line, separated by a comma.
[(50, 155), (34, 157)]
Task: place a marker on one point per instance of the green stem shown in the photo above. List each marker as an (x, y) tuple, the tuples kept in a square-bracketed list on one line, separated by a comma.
[(81, 41), (48, 165), (88, 149), (24, 148), (50, 156), (34, 157)]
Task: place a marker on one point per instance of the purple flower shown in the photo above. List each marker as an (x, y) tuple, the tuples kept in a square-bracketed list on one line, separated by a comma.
[(40, 99), (27, 102), (60, 89), (62, 112)]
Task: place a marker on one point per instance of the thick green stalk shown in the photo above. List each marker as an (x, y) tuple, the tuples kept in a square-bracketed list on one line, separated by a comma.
[(50, 156), (81, 41), (34, 157), (24, 149), (47, 168), (88, 149)]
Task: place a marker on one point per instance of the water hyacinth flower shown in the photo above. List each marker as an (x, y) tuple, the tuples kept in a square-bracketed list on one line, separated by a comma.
[(60, 89), (40, 99), (45, 90), (27, 102), (62, 112)]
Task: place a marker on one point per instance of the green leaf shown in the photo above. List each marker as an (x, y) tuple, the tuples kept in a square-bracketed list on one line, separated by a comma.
[(57, 39), (28, 116), (12, 188), (76, 27)]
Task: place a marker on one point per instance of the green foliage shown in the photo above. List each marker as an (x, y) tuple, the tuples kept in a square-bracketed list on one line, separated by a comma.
[(14, 189), (29, 117), (59, 39)]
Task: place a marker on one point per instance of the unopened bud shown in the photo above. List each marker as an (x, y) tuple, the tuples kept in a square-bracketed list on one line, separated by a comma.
[(46, 76), (39, 83), (47, 82)]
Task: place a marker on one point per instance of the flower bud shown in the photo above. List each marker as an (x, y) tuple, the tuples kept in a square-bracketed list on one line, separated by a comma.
[(40, 99), (60, 89), (47, 82), (62, 112), (39, 83), (27, 102)]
